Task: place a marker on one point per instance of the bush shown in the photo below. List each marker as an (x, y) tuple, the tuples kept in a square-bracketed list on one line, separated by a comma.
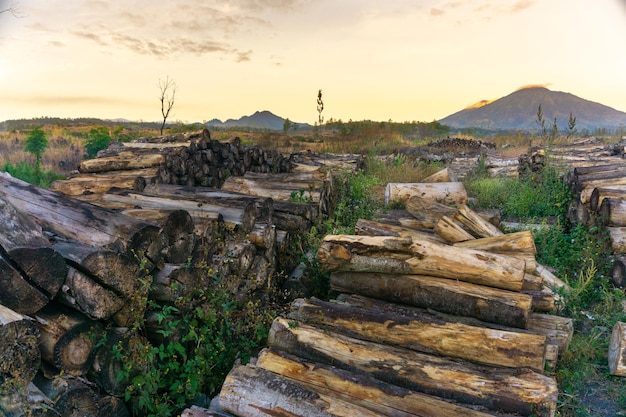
[(29, 173), (97, 140)]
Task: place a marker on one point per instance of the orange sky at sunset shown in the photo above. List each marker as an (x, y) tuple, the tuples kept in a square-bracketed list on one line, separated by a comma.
[(398, 60)]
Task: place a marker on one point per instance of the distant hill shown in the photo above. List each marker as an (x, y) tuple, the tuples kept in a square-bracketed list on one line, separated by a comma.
[(518, 111), (259, 120)]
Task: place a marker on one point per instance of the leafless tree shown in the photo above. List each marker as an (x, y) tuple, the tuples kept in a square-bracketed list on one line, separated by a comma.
[(168, 95), (13, 9)]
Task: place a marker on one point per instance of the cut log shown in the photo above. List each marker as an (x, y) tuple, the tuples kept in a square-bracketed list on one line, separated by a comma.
[(475, 223), (612, 212), (427, 211), (549, 279), (600, 193), (20, 357), (510, 243), (176, 240), (360, 389), (102, 182), (254, 392), (448, 296), (24, 245), (175, 282), (558, 330), (618, 272), (195, 411), (277, 188), (389, 255), (125, 160), (426, 333), (444, 175), (451, 230), (617, 350), (16, 292), (452, 193), (291, 222), (543, 300), (75, 219), (24, 401), (68, 339), (372, 228), (510, 390), (588, 187), (618, 239), (263, 235)]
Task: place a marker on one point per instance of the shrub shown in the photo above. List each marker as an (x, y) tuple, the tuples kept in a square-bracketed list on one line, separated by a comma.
[(97, 140)]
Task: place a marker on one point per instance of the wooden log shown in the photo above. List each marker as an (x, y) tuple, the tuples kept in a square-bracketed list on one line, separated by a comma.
[(600, 193), (451, 230), (618, 271), (612, 212), (195, 411), (291, 222), (360, 389), (126, 160), (475, 223), (263, 236), (448, 296), (279, 189), (372, 228), (543, 300), (174, 282), (618, 239), (452, 193), (510, 243), (558, 330), (176, 240), (101, 182), (254, 392), (68, 339), (16, 292), (383, 254), (428, 211), (510, 390), (75, 219), (578, 212), (617, 350), (426, 333), (608, 173), (20, 357), (444, 175), (588, 187), (549, 279), (24, 401)]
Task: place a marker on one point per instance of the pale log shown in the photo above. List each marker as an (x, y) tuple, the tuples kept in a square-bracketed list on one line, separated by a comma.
[(20, 357), (439, 294), (373, 228), (68, 339), (443, 192), (543, 301), (510, 390), (101, 182), (126, 160), (549, 279), (618, 239), (360, 389), (444, 175), (195, 411), (559, 330), (509, 243), (428, 211), (588, 187), (600, 193), (276, 188), (254, 392), (617, 350), (75, 219), (451, 230), (532, 282), (263, 235), (426, 333), (608, 173), (389, 255), (475, 223), (618, 271), (612, 212)]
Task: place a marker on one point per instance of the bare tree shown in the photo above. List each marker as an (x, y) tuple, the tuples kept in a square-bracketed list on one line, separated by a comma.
[(320, 107), (13, 10), (168, 96)]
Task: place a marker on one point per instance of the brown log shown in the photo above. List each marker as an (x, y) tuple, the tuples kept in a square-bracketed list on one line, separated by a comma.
[(549, 279), (444, 175), (600, 193), (612, 212), (451, 230), (372, 228), (510, 390), (19, 351), (254, 392), (195, 411), (24, 401), (75, 219), (68, 339), (426, 333), (125, 160), (102, 182), (618, 271), (263, 235), (532, 282), (607, 173), (578, 212), (389, 255), (558, 330), (176, 240), (428, 211), (174, 282), (511, 243), (360, 389), (618, 239), (588, 187), (617, 350), (444, 192), (16, 292), (543, 300), (475, 223), (291, 222), (448, 296)]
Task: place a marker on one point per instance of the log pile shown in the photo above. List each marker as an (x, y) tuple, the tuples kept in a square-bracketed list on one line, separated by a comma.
[(425, 323)]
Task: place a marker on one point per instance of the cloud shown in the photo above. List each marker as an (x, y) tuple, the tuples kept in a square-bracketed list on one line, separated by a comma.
[(69, 100), (522, 5)]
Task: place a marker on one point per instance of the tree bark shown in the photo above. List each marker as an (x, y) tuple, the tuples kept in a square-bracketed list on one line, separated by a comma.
[(617, 350), (600, 193), (444, 175), (426, 333), (475, 223), (618, 272), (452, 193), (360, 389), (390, 255), (428, 211), (101, 182), (174, 282), (176, 240), (68, 339), (372, 228), (589, 186), (24, 401), (510, 390), (618, 239), (126, 160), (510, 243), (558, 330), (451, 230), (20, 357), (16, 292), (448, 296), (612, 212)]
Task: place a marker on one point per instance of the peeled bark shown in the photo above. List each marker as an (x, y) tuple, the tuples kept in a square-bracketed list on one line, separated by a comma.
[(475, 223), (451, 230), (20, 357), (426, 333), (448, 296), (509, 390), (617, 350), (372, 228), (443, 192)]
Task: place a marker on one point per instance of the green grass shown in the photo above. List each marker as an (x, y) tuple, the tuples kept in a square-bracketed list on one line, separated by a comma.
[(27, 172)]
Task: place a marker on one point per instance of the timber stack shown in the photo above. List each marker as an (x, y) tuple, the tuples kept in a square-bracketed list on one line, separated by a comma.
[(108, 248), (438, 313)]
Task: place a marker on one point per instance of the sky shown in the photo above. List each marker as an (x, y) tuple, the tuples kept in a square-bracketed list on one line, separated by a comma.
[(398, 60)]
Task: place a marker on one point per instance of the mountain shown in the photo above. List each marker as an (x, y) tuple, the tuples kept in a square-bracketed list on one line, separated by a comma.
[(259, 120), (518, 111)]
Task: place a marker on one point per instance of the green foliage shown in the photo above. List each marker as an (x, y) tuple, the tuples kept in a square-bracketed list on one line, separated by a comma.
[(36, 143), (26, 172), (97, 140)]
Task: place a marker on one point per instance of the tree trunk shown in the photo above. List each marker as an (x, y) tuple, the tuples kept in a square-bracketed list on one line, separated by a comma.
[(444, 175), (127, 160), (618, 239), (359, 389), (549, 279), (102, 182), (475, 223), (452, 193), (428, 211), (600, 193), (612, 212), (558, 330), (16, 292), (275, 187), (510, 390), (589, 186), (389, 255), (20, 357), (75, 219), (254, 392), (617, 350), (451, 230), (618, 272), (68, 339), (426, 333), (173, 282), (372, 228), (24, 401), (510, 243), (176, 240), (448, 296)]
